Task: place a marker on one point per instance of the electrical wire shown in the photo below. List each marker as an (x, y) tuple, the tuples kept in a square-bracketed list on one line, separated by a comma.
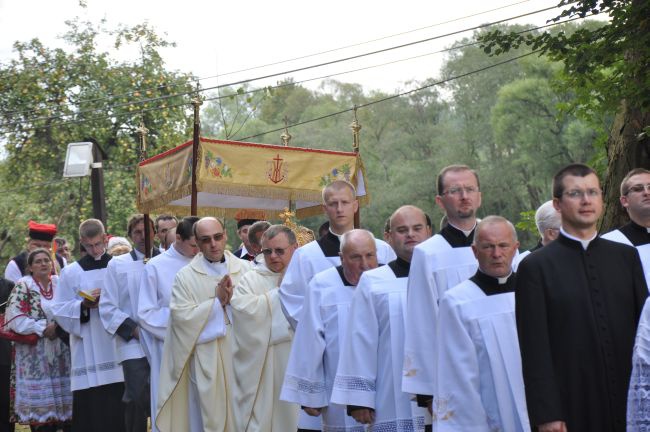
[(281, 61), (328, 63)]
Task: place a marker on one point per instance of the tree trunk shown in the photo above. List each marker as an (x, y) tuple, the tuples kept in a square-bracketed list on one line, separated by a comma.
[(627, 148)]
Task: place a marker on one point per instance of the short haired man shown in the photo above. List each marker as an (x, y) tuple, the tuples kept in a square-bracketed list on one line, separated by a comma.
[(118, 307), (339, 205), (40, 236), (96, 377), (318, 340), (635, 198), (154, 296), (479, 380), (63, 248), (262, 339), (196, 376), (164, 223), (255, 233), (368, 378), (577, 303), (245, 251), (441, 262)]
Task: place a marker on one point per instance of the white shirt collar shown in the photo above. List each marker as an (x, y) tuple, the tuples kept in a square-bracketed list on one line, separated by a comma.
[(467, 233), (215, 268), (585, 243), (335, 234)]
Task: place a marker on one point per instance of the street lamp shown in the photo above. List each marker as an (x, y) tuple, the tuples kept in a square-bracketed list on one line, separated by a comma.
[(83, 159)]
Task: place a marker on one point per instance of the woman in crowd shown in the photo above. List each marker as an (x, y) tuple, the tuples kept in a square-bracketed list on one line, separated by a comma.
[(43, 398)]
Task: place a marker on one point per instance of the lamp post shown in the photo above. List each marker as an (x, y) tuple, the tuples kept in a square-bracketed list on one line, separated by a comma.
[(83, 159)]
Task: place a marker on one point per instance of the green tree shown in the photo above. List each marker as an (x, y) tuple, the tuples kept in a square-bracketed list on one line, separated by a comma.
[(50, 97), (606, 67)]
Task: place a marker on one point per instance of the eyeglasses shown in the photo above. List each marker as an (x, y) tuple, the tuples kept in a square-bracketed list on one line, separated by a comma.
[(579, 194), (638, 188), (207, 239), (278, 251), (457, 190)]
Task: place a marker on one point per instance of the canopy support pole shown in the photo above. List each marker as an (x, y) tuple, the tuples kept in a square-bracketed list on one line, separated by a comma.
[(148, 235), (356, 128), (195, 149)]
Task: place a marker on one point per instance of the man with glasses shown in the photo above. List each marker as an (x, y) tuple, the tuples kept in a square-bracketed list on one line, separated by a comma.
[(439, 263), (577, 305), (262, 339), (635, 197), (96, 377), (196, 376)]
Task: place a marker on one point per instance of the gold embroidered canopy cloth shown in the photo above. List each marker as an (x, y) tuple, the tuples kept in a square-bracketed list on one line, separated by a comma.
[(239, 179)]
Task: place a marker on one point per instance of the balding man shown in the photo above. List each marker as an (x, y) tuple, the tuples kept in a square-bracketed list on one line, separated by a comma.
[(196, 374), (369, 375), (339, 205), (317, 343), (479, 381)]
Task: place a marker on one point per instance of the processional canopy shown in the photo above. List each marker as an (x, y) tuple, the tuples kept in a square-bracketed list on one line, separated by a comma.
[(239, 179)]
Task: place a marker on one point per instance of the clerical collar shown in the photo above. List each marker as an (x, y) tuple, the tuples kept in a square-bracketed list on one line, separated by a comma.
[(457, 237), (491, 285), (330, 244), (223, 260), (338, 236), (89, 262), (139, 256), (400, 267), (584, 243), (637, 235), (345, 281)]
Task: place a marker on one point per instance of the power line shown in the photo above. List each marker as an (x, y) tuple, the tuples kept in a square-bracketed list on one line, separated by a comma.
[(185, 104), (367, 104), (284, 61), (244, 81)]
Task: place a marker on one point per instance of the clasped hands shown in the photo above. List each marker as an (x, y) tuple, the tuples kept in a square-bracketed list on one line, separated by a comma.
[(224, 290)]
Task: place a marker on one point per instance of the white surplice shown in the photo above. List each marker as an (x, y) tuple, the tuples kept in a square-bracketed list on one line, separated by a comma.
[(196, 375), (369, 372), (261, 346), (153, 311), (638, 398), (315, 352), (93, 350), (119, 301), (480, 386), (644, 251), (435, 267), (305, 263)]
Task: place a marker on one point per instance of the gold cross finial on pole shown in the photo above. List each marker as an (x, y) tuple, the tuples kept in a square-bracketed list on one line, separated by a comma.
[(356, 128), (286, 136), (143, 132)]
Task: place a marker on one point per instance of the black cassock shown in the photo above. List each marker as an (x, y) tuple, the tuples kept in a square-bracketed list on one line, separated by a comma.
[(577, 311)]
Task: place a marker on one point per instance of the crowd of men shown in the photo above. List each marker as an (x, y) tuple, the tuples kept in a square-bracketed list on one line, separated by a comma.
[(457, 331)]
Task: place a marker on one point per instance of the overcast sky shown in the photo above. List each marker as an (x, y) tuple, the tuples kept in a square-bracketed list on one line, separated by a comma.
[(219, 37)]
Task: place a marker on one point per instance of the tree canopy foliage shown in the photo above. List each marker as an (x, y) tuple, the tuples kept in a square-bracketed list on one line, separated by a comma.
[(512, 123)]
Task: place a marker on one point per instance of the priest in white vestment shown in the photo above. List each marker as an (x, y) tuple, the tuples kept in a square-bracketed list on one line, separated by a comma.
[(441, 262), (339, 205), (196, 376), (262, 340), (480, 386), (155, 293), (317, 343), (96, 375), (369, 374), (635, 198)]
